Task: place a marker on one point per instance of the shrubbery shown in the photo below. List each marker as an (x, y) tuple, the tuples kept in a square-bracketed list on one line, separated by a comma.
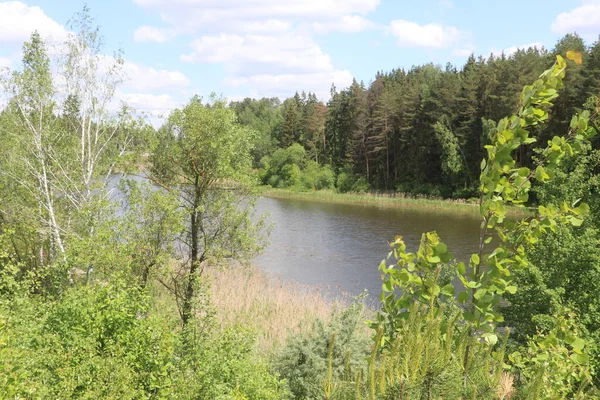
[(290, 168)]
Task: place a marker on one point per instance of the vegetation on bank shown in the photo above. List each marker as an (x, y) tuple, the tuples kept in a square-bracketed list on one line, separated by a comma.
[(384, 200), (123, 299)]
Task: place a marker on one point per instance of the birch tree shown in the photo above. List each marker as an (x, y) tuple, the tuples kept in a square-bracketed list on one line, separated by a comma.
[(64, 132)]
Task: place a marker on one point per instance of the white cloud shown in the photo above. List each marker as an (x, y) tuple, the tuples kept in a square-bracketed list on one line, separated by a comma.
[(281, 84), (153, 104), (18, 21), (255, 53), (584, 20), (143, 78), (347, 24), (152, 34), (271, 65), (259, 16), (146, 79), (513, 49), (5, 62), (411, 34), (264, 45)]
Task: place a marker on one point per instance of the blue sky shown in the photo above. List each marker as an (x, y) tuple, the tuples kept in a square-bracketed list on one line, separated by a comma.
[(176, 48)]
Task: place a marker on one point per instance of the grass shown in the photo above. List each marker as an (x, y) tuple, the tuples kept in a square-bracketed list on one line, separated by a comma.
[(393, 200), (274, 308)]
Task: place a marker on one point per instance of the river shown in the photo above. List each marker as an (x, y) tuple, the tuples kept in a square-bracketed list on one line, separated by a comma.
[(340, 246)]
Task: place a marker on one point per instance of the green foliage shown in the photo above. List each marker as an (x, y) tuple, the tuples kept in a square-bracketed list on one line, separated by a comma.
[(290, 168), (554, 365), (104, 342), (349, 182), (427, 358), (488, 278), (202, 158), (317, 177), (324, 361), (452, 163), (565, 264)]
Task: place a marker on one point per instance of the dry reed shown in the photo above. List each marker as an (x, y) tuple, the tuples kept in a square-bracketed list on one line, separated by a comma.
[(506, 388), (274, 308)]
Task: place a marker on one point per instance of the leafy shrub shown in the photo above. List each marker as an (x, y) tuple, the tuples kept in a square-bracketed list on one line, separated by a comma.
[(361, 185), (103, 341), (289, 176), (344, 182), (318, 177), (348, 182)]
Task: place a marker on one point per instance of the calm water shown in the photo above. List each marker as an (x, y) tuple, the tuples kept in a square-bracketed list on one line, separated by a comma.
[(341, 246)]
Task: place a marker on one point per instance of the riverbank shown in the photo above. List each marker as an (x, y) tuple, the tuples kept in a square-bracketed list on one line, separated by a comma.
[(395, 200)]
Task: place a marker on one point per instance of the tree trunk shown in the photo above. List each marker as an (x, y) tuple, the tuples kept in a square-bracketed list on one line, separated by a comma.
[(194, 257)]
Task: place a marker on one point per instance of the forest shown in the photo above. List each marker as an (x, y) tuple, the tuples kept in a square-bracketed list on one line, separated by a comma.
[(419, 131), (126, 251)]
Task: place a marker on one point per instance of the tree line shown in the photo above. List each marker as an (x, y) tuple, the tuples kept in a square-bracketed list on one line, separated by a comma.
[(421, 130)]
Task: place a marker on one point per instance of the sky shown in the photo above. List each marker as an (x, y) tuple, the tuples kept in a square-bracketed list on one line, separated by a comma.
[(174, 49)]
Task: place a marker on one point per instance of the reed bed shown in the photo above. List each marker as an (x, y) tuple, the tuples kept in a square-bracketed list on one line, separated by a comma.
[(274, 308), (388, 200)]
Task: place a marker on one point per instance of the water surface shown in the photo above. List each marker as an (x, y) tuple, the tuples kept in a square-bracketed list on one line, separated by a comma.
[(341, 245)]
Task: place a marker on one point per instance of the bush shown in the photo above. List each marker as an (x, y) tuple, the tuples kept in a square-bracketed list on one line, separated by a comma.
[(318, 177), (102, 341), (345, 182), (338, 348), (361, 185), (289, 176)]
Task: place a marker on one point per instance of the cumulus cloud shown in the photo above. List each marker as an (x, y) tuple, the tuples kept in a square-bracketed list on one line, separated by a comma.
[(152, 34), (255, 53), (411, 34), (264, 45), (273, 65), (584, 20), (278, 85), (142, 78), (18, 21), (5, 62)]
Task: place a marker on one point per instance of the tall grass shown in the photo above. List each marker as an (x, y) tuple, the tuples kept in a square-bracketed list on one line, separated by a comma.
[(273, 307), (387, 200)]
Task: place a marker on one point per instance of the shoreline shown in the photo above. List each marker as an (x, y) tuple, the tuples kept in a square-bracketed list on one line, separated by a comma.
[(391, 201)]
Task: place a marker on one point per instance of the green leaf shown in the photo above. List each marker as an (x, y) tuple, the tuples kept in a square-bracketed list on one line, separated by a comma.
[(475, 259), (575, 221), (578, 345), (540, 174), (461, 268), (523, 171), (441, 248), (448, 290), (387, 286), (511, 289), (490, 338), (463, 297), (580, 358)]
